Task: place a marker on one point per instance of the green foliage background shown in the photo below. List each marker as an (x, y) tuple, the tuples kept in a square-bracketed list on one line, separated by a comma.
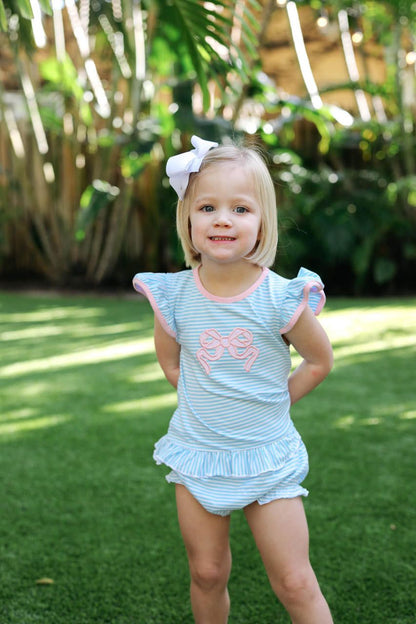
[(95, 207)]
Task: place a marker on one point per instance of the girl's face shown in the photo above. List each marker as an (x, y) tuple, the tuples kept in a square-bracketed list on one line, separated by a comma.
[(225, 214)]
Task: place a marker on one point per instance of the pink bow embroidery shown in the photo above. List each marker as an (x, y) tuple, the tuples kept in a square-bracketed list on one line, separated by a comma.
[(238, 343)]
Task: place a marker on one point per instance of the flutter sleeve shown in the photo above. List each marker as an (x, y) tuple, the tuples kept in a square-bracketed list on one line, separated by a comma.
[(156, 287), (305, 289)]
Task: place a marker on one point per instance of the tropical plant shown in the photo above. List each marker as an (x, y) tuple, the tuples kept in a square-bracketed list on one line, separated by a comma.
[(83, 189), (107, 97), (348, 194)]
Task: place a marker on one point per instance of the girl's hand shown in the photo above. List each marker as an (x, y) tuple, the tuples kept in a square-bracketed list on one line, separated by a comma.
[(311, 342), (167, 351)]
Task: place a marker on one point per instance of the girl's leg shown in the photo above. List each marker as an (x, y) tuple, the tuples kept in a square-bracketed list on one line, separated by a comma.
[(281, 534), (207, 544)]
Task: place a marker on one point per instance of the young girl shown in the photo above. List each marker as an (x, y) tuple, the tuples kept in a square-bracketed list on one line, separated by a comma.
[(222, 336)]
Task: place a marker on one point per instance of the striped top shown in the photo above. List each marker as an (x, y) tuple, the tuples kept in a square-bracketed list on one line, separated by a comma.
[(233, 400)]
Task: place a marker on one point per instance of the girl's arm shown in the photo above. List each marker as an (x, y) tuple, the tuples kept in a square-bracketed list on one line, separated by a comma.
[(167, 351), (311, 342)]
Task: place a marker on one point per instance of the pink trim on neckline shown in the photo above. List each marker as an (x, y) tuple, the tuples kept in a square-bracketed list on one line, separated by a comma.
[(233, 299)]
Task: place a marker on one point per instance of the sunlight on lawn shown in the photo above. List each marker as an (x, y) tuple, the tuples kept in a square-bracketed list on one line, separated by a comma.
[(365, 330), (143, 404), (32, 332), (359, 331), (372, 346), (30, 425), (149, 372), (79, 358), (347, 421), (362, 334), (378, 416), (411, 415), (78, 331), (51, 314)]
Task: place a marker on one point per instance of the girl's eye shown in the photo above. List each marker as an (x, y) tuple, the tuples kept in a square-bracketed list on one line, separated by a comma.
[(241, 209), (207, 208)]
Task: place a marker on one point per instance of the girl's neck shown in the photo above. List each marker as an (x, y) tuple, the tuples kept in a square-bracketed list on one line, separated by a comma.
[(228, 280)]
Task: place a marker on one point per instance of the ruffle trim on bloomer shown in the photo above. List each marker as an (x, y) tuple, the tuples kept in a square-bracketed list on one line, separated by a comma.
[(233, 463)]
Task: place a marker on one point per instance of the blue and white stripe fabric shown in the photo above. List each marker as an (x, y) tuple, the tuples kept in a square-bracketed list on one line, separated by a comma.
[(231, 440)]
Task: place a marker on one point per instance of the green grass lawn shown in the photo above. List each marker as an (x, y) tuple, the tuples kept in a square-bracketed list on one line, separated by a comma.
[(82, 503)]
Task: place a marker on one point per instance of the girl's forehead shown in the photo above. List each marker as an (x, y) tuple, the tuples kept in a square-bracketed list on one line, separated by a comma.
[(230, 177), (225, 165), (232, 171)]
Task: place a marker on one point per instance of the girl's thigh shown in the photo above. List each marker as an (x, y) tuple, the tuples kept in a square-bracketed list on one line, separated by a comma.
[(206, 535), (281, 533)]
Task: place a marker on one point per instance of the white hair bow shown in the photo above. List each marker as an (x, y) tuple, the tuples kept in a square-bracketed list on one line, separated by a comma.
[(179, 167)]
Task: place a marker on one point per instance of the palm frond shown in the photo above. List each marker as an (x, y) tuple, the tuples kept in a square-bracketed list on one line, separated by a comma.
[(206, 35)]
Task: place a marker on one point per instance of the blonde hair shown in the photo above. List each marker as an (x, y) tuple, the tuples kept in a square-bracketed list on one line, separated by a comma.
[(248, 157)]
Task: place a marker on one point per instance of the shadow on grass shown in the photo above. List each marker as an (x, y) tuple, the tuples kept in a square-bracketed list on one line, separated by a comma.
[(83, 402)]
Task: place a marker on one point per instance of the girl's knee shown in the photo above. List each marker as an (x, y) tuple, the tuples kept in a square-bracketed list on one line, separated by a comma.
[(296, 586), (210, 576)]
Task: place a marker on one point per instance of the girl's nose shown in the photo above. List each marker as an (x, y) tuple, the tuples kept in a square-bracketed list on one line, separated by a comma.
[(222, 218)]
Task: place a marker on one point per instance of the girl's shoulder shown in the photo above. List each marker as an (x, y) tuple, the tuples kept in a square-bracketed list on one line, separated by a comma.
[(163, 290), (304, 276), (306, 289), (160, 281)]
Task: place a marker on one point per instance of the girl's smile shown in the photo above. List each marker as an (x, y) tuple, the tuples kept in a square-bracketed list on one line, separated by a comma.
[(225, 215), (222, 238)]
